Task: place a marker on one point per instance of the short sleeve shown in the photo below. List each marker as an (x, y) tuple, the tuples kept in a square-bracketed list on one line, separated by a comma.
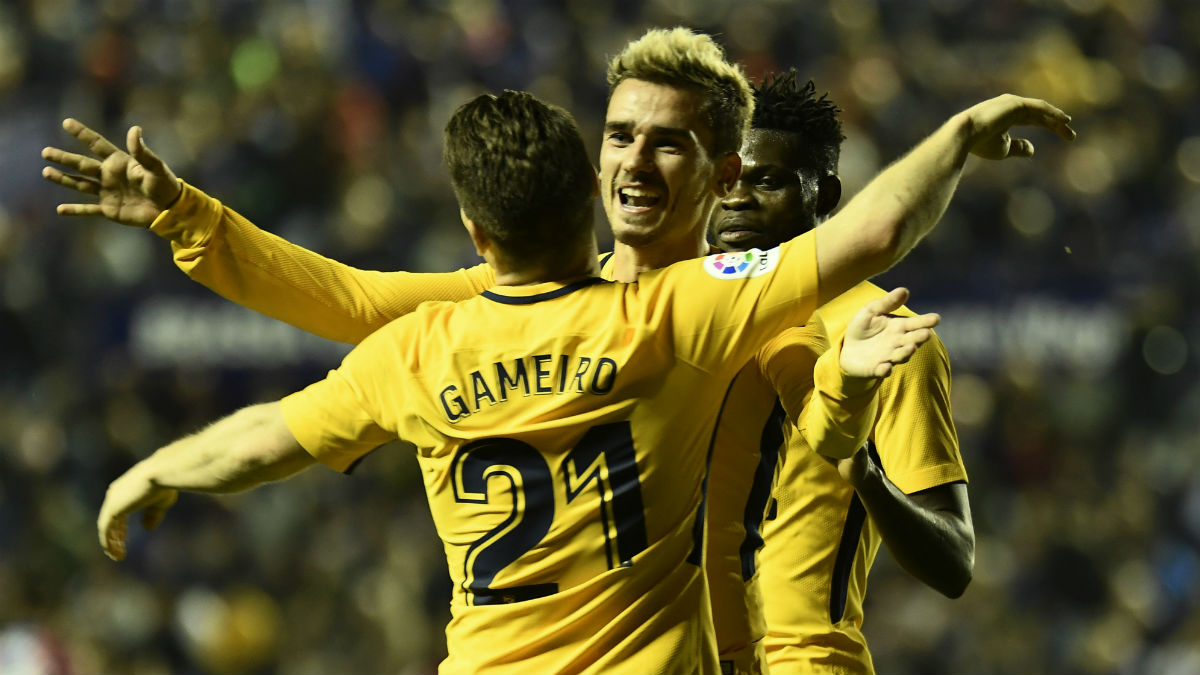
[(915, 433), (329, 424)]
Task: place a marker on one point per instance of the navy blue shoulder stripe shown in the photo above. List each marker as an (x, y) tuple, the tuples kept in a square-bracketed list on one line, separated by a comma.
[(548, 295), (605, 258)]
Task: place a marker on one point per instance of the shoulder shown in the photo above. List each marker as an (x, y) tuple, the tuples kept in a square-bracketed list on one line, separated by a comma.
[(927, 370)]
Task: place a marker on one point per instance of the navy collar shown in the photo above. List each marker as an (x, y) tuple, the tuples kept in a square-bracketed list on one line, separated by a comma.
[(539, 296)]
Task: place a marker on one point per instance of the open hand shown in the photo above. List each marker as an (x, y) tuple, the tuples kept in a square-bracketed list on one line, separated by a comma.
[(133, 187), (877, 340)]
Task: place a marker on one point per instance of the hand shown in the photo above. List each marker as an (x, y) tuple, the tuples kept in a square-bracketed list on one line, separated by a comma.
[(875, 340), (855, 468), (133, 188), (988, 124), (128, 493)]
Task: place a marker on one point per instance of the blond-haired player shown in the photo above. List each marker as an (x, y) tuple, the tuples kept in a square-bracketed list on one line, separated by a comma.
[(661, 174)]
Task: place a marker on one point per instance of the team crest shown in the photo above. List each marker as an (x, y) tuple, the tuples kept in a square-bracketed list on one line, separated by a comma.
[(741, 265)]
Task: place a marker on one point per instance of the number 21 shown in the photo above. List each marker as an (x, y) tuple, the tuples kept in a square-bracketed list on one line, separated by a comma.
[(604, 456)]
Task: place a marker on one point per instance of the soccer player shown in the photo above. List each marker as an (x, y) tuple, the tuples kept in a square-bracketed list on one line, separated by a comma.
[(911, 482), (674, 122), (563, 470)]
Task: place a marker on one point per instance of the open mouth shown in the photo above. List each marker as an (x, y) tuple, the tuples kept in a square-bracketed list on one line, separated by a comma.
[(638, 198)]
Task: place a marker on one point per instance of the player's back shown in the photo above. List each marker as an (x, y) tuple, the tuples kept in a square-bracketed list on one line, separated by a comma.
[(563, 433), (595, 565)]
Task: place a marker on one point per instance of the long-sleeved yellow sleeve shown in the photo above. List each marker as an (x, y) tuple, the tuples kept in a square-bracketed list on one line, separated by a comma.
[(841, 414), (220, 249), (835, 415)]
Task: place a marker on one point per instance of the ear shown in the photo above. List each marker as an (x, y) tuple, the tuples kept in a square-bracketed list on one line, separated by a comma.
[(829, 193), (478, 237), (729, 168)]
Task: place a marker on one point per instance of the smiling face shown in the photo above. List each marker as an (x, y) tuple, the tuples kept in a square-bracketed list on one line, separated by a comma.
[(774, 199), (658, 179)]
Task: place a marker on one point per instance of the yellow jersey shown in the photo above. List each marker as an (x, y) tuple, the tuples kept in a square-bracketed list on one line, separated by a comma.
[(819, 542), (220, 249)]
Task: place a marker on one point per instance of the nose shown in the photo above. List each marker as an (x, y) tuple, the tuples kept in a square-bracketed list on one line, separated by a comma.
[(738, 199), (637, 157)]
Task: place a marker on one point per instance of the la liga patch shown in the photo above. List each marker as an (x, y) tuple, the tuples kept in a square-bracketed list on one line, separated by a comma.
[(741, 265)]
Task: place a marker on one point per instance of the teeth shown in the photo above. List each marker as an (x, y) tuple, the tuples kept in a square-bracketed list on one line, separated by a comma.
[(636, 192), (638, 197)]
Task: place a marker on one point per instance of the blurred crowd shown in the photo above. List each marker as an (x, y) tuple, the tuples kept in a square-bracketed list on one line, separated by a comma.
[(1068, 285)]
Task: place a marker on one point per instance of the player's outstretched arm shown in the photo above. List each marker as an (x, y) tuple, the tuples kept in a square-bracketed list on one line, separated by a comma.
[(250, 447), (220, 249), (904, 202)]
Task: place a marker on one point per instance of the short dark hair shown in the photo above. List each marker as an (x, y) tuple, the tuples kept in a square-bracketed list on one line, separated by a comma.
[(782, 104), (521, 172)]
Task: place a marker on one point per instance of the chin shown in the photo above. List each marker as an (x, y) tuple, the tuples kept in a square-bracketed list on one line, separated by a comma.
[(743, 243), (635, 236)]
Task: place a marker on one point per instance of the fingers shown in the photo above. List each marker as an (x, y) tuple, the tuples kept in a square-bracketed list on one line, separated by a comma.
[(154, 513), (85, 184), (98, 144), (113, 531), (919, 321), (889, 303), (1053, 118), (85, 165), (140, 152), (1020, 147), (79, 210)]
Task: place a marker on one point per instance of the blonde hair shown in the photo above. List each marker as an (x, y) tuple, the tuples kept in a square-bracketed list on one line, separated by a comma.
[(681, 57)]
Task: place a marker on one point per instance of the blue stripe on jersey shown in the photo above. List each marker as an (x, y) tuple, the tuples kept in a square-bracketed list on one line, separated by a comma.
[(760, 490), (605, 258), (856, 515), (696, 557), (548, 295)]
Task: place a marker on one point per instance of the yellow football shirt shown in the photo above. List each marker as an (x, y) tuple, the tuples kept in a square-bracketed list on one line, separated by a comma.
[(563, 433), (820, 545), (220, 249)]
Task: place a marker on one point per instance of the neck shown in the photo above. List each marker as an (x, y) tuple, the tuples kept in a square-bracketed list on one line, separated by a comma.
[(629, 262), (584, 263)]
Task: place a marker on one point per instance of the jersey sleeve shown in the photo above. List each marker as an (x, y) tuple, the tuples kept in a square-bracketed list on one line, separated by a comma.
[(839, 418), (723, 308), (341, 418), (220, 249), (787, 362), (915, 433)]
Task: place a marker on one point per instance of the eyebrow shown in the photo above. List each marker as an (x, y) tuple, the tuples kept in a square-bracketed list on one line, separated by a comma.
[(656, 130)]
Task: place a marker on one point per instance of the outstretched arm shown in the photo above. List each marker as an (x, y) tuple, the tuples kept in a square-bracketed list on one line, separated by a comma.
[(904, 202), (230, 255), (250, 447)]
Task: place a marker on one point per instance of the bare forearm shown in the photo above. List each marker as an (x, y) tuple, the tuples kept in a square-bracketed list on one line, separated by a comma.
[(250, 447), (904, 202), (937, 546)]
